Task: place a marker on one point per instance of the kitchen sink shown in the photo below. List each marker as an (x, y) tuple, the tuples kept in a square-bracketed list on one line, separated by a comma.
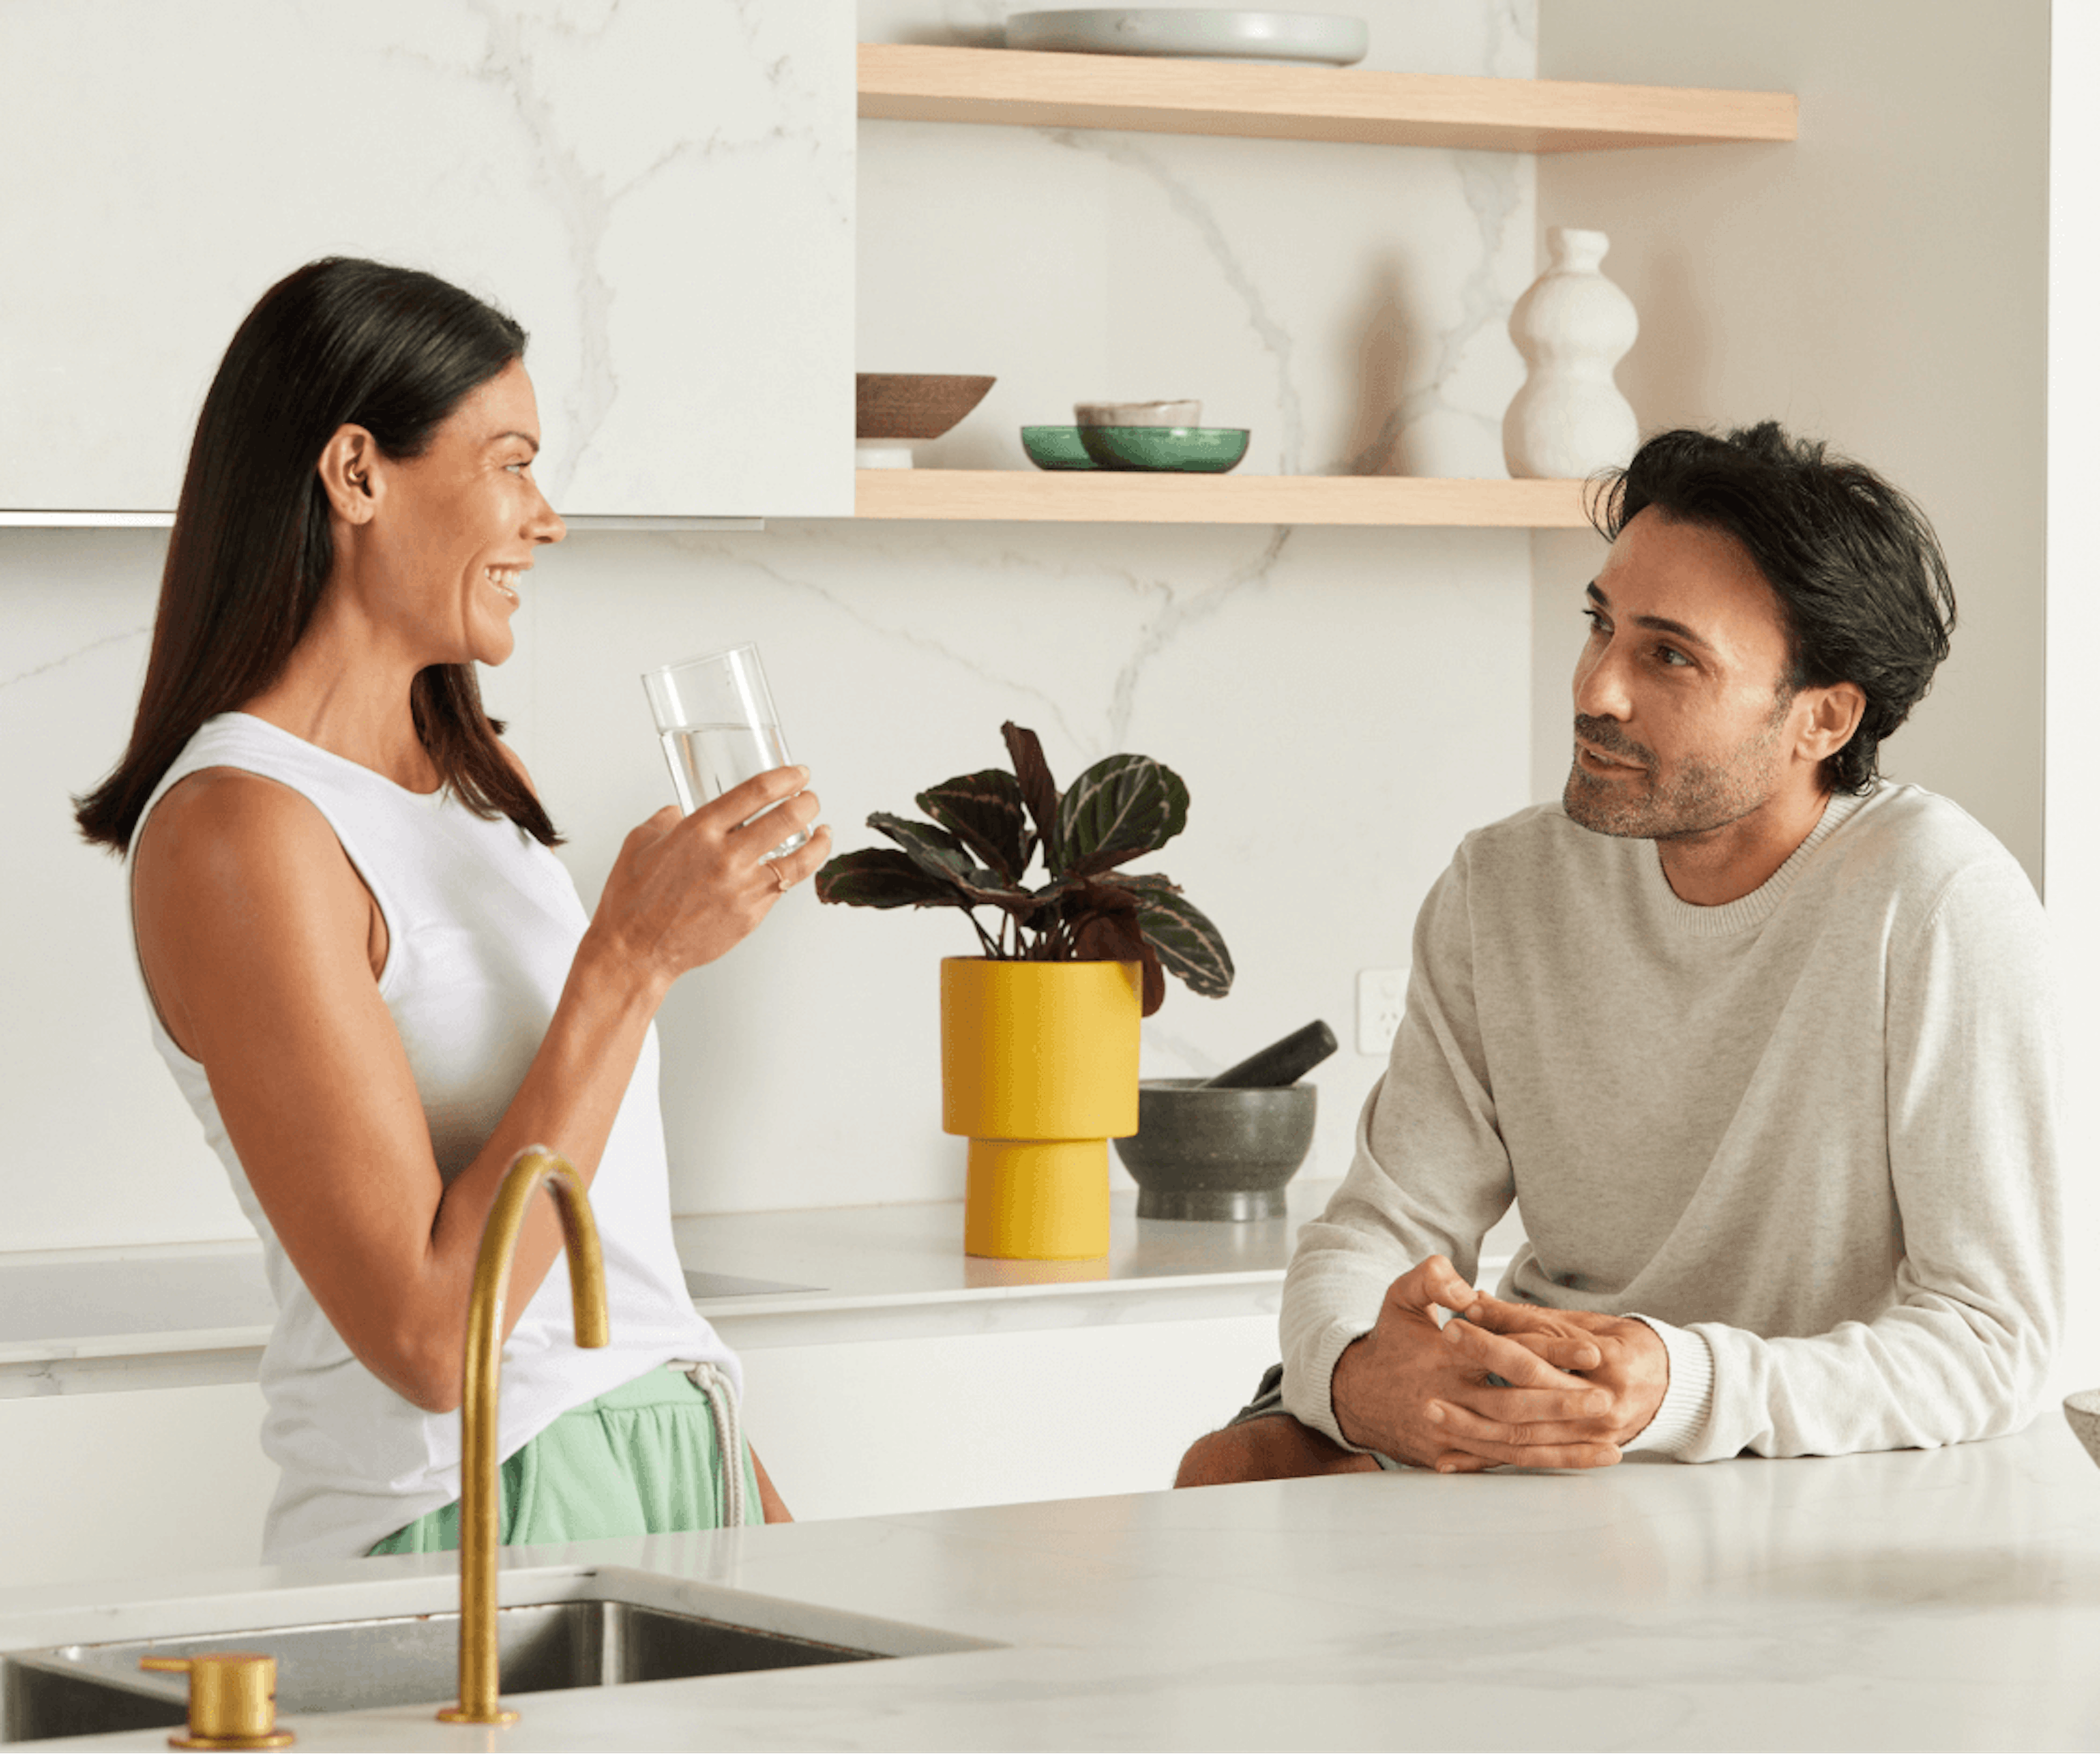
[(592, 1639)]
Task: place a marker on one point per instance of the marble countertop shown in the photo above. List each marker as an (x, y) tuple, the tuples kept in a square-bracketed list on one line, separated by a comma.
[(171, 1316), (1935, 1599)]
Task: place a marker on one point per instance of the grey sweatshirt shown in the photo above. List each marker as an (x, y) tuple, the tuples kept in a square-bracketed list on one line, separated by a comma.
[(1809, 1136)]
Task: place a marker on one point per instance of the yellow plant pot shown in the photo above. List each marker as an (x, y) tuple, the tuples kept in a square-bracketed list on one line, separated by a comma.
[(1038, 1068)]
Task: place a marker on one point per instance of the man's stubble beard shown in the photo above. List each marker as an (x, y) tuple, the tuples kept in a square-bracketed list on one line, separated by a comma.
[(1698, 798)]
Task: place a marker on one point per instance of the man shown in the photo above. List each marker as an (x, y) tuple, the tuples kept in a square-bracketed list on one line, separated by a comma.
[(1762, 1046)]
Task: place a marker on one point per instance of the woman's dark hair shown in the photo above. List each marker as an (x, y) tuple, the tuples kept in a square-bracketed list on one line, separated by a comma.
[(339, 341), (1861, 582)]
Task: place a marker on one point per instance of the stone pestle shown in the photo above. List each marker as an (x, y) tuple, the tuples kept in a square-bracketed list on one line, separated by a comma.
[(1280, 1063)]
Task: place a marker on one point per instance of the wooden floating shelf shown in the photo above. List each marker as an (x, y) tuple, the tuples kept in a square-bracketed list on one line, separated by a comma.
[(1157, 95), (1085, 496)]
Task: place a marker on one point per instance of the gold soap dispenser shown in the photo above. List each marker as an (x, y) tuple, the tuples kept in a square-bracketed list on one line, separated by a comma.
[(233, 1700)]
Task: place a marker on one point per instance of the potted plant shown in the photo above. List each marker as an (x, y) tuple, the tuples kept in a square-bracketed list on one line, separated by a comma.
[(1038, 1035)]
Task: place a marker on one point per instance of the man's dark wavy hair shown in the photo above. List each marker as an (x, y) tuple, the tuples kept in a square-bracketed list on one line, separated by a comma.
[(1858, 571)]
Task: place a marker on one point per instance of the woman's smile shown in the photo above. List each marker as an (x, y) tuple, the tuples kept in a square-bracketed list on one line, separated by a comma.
[(504, 578)]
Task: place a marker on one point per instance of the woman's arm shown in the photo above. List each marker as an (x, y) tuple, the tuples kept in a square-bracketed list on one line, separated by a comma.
[(261, 946), (768, 1496)]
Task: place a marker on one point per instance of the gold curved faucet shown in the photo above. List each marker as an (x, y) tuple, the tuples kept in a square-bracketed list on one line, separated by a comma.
[(534, 1166)]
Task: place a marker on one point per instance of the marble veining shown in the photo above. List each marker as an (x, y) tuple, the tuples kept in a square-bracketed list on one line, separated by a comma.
[(581, 196), (1495, 200), (632, 181), (122, 637), (1176, 611), (1126, 152)]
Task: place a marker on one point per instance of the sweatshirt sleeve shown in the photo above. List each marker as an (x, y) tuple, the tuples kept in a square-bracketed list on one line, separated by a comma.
[(1972, 1084), (1431, 1174)]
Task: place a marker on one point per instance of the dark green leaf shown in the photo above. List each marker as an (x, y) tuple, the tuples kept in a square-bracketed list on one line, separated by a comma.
[(984, 810), (1109, 938), (1115, 935), (1120, 808), (878, 877), (1188, 945), (1037, 788), (1154, 994), (941, 855), (934, 851)]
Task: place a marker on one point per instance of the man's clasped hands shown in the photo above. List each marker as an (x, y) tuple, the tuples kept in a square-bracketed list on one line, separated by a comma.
[(1574, 1385)]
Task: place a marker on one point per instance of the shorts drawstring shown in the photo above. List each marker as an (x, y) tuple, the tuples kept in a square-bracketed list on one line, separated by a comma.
[(729, 1435)]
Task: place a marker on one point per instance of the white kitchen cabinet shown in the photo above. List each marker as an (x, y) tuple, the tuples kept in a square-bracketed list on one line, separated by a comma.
[(130, 1483), (884, 1372), (661, 192)]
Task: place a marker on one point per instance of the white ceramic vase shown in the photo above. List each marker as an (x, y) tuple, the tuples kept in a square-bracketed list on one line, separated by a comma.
[(1573, 326)]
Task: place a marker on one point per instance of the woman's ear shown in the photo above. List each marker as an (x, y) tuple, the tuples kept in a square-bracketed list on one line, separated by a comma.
[(348, 476), (1833, 716)]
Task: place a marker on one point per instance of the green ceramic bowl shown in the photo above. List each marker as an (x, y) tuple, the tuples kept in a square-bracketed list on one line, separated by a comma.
[(1202, 450), (1055, 447)]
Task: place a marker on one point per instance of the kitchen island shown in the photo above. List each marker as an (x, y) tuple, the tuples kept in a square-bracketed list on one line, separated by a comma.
[(1934, 1599)]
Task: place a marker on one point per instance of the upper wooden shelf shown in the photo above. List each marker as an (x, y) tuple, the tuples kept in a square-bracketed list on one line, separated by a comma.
[(1088, 496), (914, 82)]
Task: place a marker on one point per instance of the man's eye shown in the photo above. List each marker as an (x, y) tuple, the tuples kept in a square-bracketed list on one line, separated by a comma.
[(1670, 656), (1596, 621)]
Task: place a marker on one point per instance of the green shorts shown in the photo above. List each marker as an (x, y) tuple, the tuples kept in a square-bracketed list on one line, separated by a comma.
[(641, 1460)]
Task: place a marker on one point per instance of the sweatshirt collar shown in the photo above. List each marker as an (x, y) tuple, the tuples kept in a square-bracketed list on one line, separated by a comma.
[(1748, 912)]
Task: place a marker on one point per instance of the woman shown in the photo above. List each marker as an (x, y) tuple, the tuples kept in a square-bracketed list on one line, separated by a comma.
[(370, 976)]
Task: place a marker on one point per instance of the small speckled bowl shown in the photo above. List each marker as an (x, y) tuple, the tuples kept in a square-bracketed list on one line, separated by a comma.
[(1193, 450), (1056, 447), (2082, 1410), (1185, 413), (1200, 1153)]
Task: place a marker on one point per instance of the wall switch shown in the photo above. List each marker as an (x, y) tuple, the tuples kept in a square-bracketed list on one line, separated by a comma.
[(1381, 997)]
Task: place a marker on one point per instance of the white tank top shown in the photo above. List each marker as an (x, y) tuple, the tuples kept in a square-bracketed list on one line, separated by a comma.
[(482, 924)]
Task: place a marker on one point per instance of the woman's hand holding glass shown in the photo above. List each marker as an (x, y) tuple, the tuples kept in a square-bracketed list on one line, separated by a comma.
[(686, 889)]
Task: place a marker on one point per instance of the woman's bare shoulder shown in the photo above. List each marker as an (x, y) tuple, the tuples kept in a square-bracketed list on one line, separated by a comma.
[(225, 842), (229, 811), (237, 879)]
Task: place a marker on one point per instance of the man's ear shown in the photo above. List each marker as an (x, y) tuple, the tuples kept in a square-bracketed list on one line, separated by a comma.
[(1833, 716), (348, 473)]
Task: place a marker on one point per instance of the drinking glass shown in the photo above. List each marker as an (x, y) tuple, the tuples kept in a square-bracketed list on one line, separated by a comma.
[(716, 719)]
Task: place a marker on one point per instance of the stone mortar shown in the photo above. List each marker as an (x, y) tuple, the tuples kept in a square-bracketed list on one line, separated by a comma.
[(2083, 1411), (1200, 1153)]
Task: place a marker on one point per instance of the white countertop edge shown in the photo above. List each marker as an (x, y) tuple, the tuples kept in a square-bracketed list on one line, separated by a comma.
[(170, 1359), (90, 1254), (253, 1336), (1168, 1287), (179, 1360)]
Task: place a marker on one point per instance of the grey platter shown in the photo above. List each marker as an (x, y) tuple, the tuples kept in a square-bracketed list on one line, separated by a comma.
[(1220, 33)]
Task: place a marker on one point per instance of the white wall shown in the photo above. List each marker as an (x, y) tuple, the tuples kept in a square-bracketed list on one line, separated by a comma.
[(1344, 704), (1880, 283), (2073, 844)]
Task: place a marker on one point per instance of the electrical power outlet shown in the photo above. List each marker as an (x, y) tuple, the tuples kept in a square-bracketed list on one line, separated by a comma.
[(1381, 997)]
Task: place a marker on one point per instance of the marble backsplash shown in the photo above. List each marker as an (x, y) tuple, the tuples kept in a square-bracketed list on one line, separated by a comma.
[(1343, 703), (633, 180)]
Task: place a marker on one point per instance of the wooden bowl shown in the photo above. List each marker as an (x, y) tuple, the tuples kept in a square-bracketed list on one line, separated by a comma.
[(913, 405)]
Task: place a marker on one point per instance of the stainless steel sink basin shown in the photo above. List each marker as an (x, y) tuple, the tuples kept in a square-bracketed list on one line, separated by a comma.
[(590, 1640)]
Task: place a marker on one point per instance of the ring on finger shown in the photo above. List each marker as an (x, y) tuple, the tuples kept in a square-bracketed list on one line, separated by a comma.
[(779, 873)]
